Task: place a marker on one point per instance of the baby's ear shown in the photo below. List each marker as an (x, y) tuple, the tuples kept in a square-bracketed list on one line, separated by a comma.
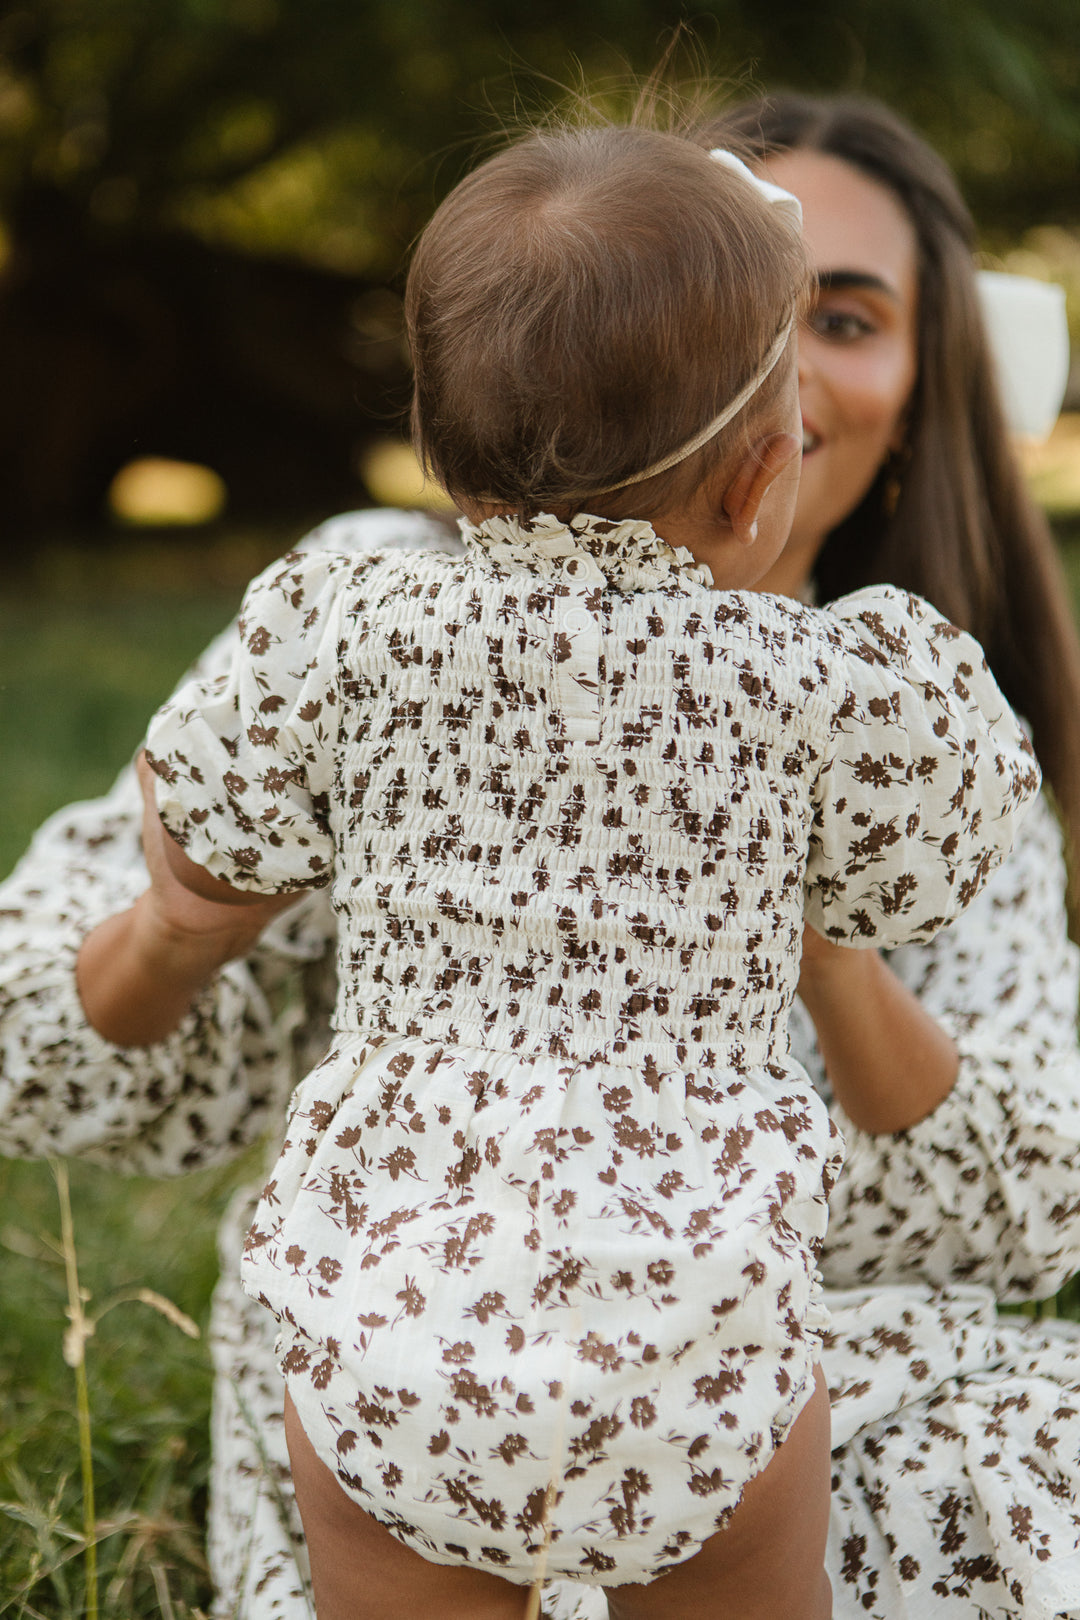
[(748, 486)]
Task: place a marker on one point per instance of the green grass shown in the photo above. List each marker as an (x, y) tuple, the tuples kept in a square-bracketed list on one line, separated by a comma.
[(79, 675), (90, 643), (1067, 530), (87, 647), (77, 685), (149, 1392)]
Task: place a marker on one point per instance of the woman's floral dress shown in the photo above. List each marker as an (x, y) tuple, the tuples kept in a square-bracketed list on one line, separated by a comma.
[(548, 1212)]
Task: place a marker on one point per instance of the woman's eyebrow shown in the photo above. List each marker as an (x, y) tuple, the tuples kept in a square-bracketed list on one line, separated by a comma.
[(861, 280)]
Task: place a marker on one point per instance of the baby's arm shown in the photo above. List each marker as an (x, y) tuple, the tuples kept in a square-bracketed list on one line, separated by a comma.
[(888, 1061), (922, 792), (138, 972), (239, 768)]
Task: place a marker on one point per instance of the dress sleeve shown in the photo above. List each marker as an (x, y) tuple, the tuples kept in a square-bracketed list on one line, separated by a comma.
[(245, 761), (926, 777), (986, 1188)]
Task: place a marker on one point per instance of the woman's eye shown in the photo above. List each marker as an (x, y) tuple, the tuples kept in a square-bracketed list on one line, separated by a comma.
[(839, 325)]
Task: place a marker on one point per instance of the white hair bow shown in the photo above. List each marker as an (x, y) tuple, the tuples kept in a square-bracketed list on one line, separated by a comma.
[(776, 196)]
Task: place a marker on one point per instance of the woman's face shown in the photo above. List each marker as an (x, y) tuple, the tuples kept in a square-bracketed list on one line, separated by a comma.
[(857, 346)]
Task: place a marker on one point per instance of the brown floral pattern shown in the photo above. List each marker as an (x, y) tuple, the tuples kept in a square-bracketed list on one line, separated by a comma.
[(556, 1186), (988, 1185), (992, 1176)]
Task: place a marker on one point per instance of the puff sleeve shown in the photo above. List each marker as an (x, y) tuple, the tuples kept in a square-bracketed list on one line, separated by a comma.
[(245, 762), (924, 781), (986, 1188)]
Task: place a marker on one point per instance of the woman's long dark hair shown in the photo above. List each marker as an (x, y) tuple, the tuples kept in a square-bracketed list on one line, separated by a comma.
[(964, 533)]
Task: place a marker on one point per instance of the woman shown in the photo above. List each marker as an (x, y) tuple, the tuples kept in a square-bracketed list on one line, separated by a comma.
[(956, 1435)]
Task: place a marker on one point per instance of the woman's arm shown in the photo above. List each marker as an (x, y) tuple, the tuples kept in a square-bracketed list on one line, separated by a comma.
[(140, 971), (202, 1094), (986, 1186)]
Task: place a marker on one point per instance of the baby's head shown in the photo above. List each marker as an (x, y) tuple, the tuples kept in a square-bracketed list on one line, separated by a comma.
[(581, 307)]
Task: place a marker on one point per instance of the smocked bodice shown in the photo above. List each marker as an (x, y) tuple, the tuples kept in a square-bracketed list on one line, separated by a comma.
[(574, 800)]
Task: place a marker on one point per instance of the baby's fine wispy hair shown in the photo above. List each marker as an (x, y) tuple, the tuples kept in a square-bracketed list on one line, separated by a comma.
[(582, 304)]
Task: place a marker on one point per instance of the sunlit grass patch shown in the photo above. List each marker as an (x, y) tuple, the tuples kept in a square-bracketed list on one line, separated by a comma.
[(1054, 467), (393, 474), (155, 490)]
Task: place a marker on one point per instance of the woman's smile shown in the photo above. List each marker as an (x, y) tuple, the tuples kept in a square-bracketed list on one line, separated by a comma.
[(857, 345)]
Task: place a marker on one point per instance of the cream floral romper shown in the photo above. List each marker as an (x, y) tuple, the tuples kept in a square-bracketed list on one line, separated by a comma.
[(548, 1212)]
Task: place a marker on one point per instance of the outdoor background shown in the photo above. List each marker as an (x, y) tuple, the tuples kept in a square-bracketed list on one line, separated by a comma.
[(205, 208)]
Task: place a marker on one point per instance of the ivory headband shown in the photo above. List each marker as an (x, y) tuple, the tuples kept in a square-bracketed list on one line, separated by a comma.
[(730, 411), (791, 210)]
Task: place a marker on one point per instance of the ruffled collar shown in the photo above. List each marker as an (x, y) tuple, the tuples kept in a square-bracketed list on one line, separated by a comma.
[(628, 553)]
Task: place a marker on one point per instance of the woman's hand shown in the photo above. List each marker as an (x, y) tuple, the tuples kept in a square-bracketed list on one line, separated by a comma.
[(888, 1062), (139, 972)]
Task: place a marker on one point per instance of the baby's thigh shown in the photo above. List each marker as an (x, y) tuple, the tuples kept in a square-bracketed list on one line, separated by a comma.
[(359, 1571), (769, 1561)]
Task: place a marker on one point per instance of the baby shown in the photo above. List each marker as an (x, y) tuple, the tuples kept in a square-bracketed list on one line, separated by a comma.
[(542, 1237)]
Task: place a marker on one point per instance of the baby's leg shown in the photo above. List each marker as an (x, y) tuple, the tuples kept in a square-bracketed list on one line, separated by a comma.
[(769, 1563), (359, 1571)]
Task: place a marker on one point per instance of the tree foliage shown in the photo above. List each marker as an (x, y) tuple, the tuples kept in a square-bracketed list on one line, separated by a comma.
[(352, 118), (146, 139)]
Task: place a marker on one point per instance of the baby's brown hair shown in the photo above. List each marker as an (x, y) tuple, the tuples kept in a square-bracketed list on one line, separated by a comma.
[(583, 304)]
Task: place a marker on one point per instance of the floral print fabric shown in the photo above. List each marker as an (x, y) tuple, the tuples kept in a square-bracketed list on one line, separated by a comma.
[(515, 763), (987, 1188), (473, 1305)]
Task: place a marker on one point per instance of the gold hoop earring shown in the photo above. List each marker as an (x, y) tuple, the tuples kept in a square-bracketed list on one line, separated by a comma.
[(892, 473)]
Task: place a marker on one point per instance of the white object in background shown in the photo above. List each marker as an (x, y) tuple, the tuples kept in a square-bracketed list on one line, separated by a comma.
[(1029, 337)]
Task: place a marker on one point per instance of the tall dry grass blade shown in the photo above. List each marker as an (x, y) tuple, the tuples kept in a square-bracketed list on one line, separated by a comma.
[(78, 1331), (161, 1587), (158, 1302), (536, 1591)]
